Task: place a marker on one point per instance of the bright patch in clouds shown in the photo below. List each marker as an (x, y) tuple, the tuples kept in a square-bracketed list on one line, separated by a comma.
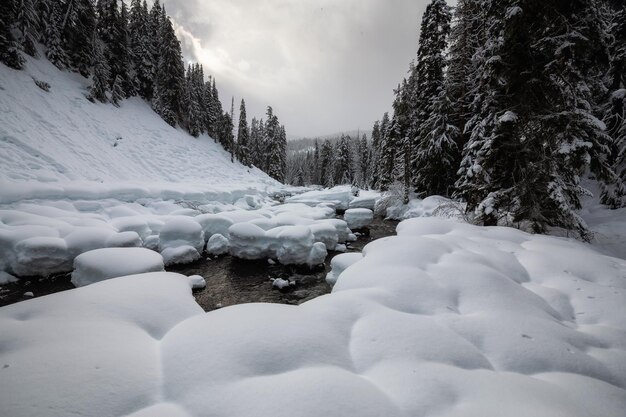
[(324, 66)]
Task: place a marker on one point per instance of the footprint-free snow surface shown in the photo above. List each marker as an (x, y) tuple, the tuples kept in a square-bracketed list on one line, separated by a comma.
[(445, 319)]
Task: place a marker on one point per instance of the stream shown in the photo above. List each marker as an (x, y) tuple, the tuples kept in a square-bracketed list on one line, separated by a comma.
[(229, 280)]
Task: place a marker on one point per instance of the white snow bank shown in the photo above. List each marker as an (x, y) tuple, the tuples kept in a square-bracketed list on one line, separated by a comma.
[(339, 264), (337, 197), (445, 319), (358, 218), (101, 264), (430, 206), (217, 245)]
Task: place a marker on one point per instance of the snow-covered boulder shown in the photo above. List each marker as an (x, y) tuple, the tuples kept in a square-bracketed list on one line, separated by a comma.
[(182, 231), (213, 224), (127, 239), (38, 254), (197, 282), (183, 254), (217, 245), (339, 264), (295, 246), (326, 233), (341, 227), (358, 218), (101, 264), (248, 241)]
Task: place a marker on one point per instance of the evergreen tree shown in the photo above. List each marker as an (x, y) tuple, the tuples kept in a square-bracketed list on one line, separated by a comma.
[(170, 76), (99, 80), (117, 91), (140, 47), (326, 164), (315, 173), (52, 38), (374, 155), (364, 155), (226, 135), (534, 133), (255, 143), (27, 22), (123, 54), (386, 158), (614, 192), (243, 137), (426, 83), (343, 163), (77, 27), (9, 53)]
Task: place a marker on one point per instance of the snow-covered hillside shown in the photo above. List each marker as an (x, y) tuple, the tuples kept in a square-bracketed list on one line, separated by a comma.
[(57, 144)]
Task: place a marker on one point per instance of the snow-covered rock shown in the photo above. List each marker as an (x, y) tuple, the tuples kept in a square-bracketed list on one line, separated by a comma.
[(183, 254), (248, 241), (102, 264), (358, 218), (181, 231), (339, 264), (197, 282), (217, 245)]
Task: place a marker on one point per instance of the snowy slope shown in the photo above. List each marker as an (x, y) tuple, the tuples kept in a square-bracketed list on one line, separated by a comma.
[(57, 144), (444, 320)]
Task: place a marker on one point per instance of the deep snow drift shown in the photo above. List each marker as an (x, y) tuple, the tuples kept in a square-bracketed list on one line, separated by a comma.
[(446, 319)]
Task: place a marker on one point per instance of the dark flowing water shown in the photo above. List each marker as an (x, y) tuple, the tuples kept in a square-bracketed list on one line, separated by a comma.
[(229, 280)]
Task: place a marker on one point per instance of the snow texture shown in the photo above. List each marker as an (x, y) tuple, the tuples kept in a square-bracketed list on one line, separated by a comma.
[(100, 264), (445, 319)]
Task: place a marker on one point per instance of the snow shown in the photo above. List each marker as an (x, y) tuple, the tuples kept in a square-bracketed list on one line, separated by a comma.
[(445, 319), (182, 254), (358, 218), (197, 282), (121, 153), (181, 231), (101, 264), (430, 206), (339, 264), (217, 245)]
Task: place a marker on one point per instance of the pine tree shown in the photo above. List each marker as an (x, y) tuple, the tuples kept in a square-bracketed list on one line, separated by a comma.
[(77, 27), (374, 155), (140, 47), (255, 142), (27, 22), (315, 173), (614, 192), (123, 54), (386, 159), (170, 76), (117, 91), (426, 83), (9, 53), (534, 133), (326, 164), (243, 136), (364, 155), (52, 38), (100, 77), (343, 162)]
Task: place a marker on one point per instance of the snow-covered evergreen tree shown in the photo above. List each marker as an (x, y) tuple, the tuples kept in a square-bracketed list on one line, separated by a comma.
[(614, 192), (364, 161), (117, 91), (170, 75), (52, 37), (387, 154), (9, 50), (100, 77), (343, 162), (28, 23), (534, 133), (78, 26), (140, 47), (326, 164), (243, 136), (425, 84)]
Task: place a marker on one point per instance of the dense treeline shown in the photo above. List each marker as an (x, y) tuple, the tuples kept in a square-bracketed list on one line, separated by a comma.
[(134, 51), (508, 104), (330, 162)]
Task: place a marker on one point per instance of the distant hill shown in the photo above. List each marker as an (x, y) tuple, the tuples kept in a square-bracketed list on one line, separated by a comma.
[(302, 144)]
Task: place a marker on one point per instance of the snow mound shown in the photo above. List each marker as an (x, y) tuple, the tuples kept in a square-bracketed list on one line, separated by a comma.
[(217, 245), (182, 254), (101, 264), (445, 319), (339, 264), (358, 218)]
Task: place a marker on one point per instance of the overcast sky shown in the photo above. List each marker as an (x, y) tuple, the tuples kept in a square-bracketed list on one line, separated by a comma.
[(325, 66)]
